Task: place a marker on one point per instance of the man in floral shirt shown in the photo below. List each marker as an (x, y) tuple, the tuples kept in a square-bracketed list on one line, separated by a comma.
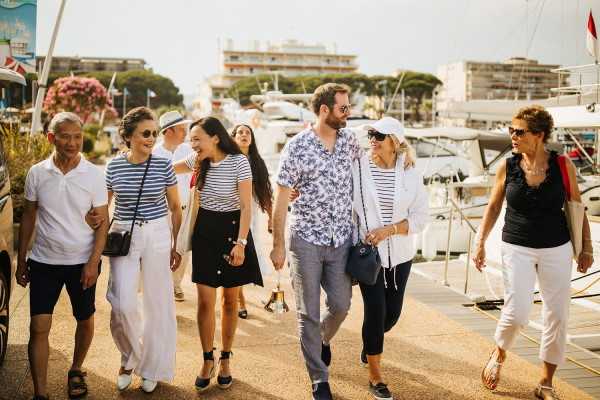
[(317, 163)]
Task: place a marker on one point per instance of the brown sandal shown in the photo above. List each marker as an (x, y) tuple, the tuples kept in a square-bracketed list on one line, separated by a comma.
[(76, 384), (545, 393), (493, 368)]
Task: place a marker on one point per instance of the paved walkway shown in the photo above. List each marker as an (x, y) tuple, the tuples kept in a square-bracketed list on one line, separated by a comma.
[(428, 356)]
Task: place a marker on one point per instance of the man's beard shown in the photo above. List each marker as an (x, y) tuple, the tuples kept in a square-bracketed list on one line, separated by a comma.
[(334, 122)]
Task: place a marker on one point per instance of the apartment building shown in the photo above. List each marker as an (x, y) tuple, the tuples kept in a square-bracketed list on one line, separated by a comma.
[(91, 64), (517, 78)]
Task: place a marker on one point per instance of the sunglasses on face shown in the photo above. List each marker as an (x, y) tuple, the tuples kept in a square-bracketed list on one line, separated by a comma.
[(380, 137), (147, 133), (345, 109), (516, 132)]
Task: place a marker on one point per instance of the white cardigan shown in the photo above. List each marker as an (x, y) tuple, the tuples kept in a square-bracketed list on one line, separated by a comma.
[(410, 203)]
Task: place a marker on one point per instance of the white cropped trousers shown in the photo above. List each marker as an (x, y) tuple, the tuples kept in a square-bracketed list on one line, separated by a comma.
[(552, 267), (147, 342)]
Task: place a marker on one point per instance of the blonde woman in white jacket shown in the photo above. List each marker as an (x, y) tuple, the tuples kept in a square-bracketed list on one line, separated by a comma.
[(395, 208)]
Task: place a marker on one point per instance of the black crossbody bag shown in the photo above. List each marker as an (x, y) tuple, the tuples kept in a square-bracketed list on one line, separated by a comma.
[(364, 262), (118, 242)]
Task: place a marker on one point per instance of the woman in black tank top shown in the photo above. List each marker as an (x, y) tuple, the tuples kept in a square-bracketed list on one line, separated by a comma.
[(535, 244)]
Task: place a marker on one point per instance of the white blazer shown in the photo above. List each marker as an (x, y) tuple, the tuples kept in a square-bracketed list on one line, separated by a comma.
[(410, 203)]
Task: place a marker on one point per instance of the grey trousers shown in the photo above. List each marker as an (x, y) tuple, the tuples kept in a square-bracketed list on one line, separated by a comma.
[(313, 267)]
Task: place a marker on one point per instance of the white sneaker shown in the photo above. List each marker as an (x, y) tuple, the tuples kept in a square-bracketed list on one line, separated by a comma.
[(123, 381), (148, 386)]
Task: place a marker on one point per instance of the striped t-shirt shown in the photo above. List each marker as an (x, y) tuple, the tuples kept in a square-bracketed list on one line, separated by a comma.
[(385, 180), (220, 191), (124, 179)]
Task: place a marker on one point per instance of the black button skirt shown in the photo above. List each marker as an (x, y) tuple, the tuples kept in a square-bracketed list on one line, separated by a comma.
[(214, 236)]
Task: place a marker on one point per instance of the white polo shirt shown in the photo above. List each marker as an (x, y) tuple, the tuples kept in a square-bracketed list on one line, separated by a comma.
[(62, 237), (181, 153)]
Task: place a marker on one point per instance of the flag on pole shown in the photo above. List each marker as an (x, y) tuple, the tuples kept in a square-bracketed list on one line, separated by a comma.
[(125, 92), (592, 39), (151, 94)]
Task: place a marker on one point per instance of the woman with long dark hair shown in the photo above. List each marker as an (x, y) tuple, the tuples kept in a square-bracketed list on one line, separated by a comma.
[(223, 253), (262, 194)]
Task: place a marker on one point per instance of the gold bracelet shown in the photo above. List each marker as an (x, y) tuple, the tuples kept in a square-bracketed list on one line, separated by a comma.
[(588, 253)]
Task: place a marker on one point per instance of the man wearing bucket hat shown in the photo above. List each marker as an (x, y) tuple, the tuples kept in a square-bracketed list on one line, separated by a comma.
[(391, 209), (173, 127)]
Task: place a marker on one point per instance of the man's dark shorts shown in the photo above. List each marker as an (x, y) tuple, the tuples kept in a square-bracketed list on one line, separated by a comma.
[(46, 282)]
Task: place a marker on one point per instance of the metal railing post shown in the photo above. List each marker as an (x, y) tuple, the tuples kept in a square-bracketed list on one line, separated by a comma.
[(468, 262), (445, 282)]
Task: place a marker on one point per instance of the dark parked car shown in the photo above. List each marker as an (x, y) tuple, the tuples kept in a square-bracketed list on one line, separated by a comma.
[(7, 255)]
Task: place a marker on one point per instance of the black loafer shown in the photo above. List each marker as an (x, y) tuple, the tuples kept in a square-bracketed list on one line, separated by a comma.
[(380, 391), (321, 391), (326, 354)]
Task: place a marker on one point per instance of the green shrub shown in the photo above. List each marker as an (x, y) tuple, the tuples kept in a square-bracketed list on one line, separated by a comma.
[(22, 151), (88, 144)]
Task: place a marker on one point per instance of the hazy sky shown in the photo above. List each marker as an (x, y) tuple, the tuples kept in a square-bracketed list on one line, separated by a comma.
[(178, 38)]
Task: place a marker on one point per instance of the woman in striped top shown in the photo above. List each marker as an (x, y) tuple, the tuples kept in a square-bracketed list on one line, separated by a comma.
[(393, 210), (147, 348), (262, 197), (223, 253)]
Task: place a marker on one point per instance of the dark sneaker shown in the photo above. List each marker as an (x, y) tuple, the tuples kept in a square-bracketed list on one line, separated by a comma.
[(380, 391), (326, 354), (321, 391)]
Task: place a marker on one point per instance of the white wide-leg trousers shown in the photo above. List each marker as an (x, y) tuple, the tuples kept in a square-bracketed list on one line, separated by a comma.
[(147, 342), (552, 267)]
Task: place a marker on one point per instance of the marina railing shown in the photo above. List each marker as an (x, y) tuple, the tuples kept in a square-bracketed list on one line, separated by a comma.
[(455, 207)]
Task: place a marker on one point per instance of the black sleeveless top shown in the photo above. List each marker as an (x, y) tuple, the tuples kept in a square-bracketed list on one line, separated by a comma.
[(534, 215)]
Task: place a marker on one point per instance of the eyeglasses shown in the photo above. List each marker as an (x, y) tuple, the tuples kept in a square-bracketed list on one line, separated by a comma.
[(380, 137), (346, 108), (516, 132), (147, 133)]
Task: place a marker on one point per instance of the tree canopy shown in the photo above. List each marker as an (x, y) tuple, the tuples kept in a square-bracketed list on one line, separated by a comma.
[(83, 96), (137, 83), (417, 86)]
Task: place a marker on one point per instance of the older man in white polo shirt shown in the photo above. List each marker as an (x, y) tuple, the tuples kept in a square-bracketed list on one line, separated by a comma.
[(174, 127), (59, 192)]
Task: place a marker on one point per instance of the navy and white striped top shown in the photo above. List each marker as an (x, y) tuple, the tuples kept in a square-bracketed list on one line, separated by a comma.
[(220, 191), (385, 180), (124, 179)]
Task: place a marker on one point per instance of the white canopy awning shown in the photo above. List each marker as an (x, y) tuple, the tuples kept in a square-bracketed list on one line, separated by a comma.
[(11, 76)]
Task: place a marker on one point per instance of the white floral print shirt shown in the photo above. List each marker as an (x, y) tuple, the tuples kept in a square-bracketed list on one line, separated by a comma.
[(323, 211)]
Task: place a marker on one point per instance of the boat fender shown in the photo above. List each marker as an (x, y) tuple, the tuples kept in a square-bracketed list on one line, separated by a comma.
[(429, 244)]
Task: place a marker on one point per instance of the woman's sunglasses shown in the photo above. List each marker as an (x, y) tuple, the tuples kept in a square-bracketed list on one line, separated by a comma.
[(380, 137), (516, 132), (147, 133)]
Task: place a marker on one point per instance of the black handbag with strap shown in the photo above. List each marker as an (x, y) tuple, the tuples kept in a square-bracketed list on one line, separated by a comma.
[(118, 242), (364, 262)]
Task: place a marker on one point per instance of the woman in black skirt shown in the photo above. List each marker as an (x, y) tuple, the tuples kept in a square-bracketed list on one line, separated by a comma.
[(223, 253)]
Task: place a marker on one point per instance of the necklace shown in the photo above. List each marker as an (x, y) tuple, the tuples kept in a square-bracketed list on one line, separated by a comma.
[(532, 170)]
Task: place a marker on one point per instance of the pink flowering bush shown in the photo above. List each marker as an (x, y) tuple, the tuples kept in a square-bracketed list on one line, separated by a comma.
[(83, 96)]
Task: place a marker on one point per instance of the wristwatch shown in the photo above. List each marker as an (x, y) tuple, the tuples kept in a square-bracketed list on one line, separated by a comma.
[(242, 242)]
